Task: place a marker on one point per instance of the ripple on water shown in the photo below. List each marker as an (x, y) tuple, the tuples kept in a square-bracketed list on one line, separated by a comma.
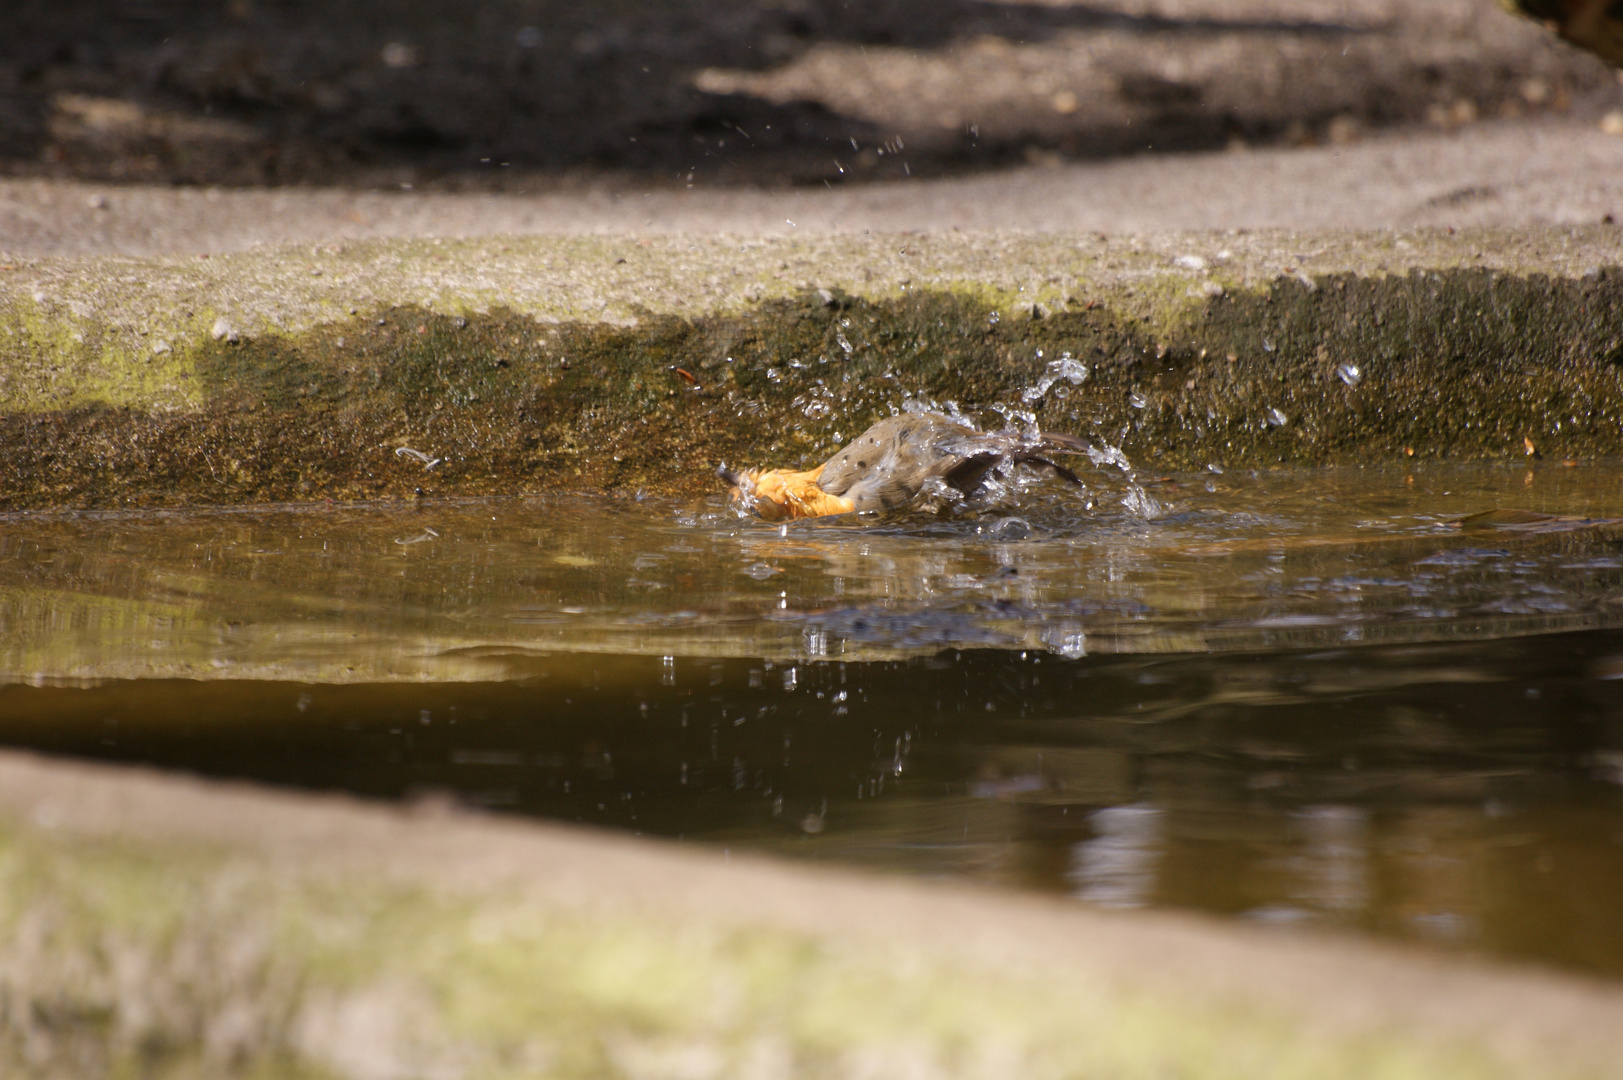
[(1311, 697)]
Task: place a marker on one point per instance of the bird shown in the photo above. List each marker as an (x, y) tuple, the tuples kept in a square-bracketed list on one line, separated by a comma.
[(890, 463)]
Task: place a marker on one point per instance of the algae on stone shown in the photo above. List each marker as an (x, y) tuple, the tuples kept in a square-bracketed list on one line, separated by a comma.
[(169, 960), (612, 364)]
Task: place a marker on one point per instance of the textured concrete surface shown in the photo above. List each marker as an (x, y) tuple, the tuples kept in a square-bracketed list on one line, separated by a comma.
[(619, 363), (1505, 174)]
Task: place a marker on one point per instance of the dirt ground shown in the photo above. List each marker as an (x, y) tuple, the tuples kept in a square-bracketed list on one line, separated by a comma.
[(547, 95)]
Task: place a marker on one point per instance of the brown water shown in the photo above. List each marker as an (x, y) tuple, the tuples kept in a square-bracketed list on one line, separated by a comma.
[(1286, 697)]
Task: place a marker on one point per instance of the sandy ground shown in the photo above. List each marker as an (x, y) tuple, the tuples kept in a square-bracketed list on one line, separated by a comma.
[(1503, 173)]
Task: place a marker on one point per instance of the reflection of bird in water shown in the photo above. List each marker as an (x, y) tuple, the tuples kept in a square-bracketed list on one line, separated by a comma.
[(887, 465)]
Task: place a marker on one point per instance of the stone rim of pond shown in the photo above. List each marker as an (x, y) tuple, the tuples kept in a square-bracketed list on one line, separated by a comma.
[(620, 364)]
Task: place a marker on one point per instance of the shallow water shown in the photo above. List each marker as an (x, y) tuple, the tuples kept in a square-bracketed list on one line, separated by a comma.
[(1288, 697), (471, 590)]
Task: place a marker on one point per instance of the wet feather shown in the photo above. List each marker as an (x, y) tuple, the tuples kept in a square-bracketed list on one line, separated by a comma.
[(886, 467)]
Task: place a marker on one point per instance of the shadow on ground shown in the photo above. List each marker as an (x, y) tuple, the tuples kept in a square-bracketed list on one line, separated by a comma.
[(523, 93)]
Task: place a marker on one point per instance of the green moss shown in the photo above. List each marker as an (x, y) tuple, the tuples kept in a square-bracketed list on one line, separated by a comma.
[(173, 961), (309, 402)]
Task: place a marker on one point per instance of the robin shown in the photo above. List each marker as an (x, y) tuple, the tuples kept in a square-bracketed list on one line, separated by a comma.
[(887, 465)]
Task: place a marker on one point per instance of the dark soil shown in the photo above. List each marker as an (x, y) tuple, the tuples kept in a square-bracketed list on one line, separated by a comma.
[(547, 93)]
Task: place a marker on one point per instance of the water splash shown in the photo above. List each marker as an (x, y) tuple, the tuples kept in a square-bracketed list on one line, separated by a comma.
[(1105, 454), (1066, 369), (1142, 504), (1023, 420), (924, 405)]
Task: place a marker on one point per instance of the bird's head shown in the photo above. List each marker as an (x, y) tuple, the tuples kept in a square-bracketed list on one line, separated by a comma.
[(775, 494), (761, 493)]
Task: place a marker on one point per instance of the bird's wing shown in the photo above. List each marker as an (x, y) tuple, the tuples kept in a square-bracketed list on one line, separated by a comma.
[(966, 471), (906, 445)]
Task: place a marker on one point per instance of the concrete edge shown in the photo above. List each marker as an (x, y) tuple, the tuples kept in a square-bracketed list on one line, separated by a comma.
[(530, 365)]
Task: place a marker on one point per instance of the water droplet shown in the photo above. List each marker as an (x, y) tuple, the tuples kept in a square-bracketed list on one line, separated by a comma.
[(1277, 418), (1137, 400), (1068, 641), (1350, 374), (1110, 455)]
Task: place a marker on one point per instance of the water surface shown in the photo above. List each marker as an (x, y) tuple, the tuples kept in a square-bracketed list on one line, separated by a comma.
[(1293, 698), (468, 591)]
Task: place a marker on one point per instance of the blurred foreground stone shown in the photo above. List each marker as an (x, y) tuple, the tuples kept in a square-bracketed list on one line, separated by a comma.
[(168, 927)]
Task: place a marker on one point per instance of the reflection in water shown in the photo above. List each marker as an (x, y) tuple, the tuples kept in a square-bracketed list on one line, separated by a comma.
[(1117, 867), (1331, 864), (1465, 794), (466, 591), (1293, 697)]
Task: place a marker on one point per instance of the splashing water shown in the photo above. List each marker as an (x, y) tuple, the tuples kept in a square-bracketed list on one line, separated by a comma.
[(1110, 455), (1141, 503), (1009, 490), (924, 405), (1066, 368), (1023, 419)]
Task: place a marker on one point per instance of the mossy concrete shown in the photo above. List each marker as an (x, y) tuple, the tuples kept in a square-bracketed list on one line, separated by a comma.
[(163, 928), (618, 364)]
